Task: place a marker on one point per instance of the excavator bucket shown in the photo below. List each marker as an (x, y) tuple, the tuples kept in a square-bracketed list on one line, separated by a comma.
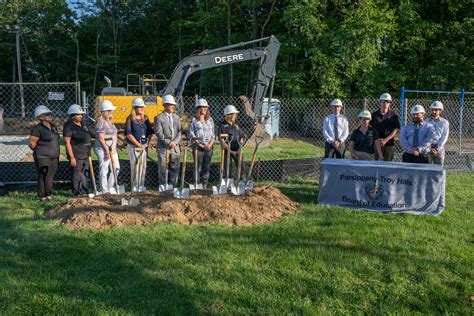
[(259, 132)]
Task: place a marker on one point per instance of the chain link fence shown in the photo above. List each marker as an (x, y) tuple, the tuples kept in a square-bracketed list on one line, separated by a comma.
[(295, 125)]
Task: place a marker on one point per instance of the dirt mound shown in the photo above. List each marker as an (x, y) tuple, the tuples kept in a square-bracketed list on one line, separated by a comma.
[(261, 205)]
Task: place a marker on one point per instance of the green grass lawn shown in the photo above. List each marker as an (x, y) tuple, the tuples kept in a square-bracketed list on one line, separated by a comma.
[(320, 260), (280, 148)]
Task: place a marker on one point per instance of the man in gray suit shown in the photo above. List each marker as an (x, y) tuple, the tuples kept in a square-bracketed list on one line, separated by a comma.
[(167, 128)]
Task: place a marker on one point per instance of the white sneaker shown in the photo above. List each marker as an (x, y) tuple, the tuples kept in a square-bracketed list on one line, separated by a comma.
[(112, 191), (142, 189)]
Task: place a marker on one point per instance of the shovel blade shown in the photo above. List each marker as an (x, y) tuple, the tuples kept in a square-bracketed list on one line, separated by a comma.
[(228, 182), (121, 189), (181, 193), (131, 202), (163, 188), (238, 189), (249, 185), (196, 186), (219, 190)]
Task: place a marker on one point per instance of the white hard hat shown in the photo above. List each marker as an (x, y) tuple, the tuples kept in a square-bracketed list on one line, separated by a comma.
[(201, 103), (106, 105), (169, 99), (365, 114), (417, 109), (138, 103), (336, 102), (230, 109), (385, 97), (436, 105), (40, 110), (75, 109)]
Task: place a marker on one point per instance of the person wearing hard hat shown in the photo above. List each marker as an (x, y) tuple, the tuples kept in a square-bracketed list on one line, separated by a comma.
[(235, 134), (167, 128), (105, 147), (387, 125), (202, 136), (138, 131), (77, 139), (441, 133), (44, 141), (335, 131), (363, 141), (416, 137)]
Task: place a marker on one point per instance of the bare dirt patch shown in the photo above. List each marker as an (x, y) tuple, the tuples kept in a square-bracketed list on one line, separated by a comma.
[(261, 205)]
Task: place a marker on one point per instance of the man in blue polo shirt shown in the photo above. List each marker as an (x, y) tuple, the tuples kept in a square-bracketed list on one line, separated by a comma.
[(416, 137)]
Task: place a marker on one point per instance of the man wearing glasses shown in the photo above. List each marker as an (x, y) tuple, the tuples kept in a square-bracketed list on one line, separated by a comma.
[(387, 125)]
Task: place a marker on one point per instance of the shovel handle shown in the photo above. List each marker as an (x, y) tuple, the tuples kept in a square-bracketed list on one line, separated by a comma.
[(254, 156), (91, 168), (239, 165), (114, 171), (183, 167)]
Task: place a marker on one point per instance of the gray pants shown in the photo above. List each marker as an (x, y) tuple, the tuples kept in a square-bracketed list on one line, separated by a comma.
[(387, 152), (173, 167), (437, 159), (331, 152)]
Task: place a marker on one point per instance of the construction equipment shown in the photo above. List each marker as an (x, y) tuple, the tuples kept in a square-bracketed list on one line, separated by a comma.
[(249, 183), (119, 189), (133, 201), (203, 60), (238, 187), (196, 185), (94, 185), (165, 186), (182, 192), (222, 187)]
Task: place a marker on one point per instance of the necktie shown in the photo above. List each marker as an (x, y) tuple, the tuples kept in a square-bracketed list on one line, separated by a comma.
[(415, 135), (170, 117), (336, 137)]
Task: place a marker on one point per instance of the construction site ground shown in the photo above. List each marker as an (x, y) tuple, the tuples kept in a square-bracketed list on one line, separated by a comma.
[(261, 205)]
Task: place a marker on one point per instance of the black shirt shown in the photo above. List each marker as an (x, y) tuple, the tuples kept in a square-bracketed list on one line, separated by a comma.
[(235, 134), (48, 142), (364, 142), (80, 140), (385, 124)]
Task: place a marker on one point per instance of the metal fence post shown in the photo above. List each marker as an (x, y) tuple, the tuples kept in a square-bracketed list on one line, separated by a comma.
[(402, 105), (460, 120)]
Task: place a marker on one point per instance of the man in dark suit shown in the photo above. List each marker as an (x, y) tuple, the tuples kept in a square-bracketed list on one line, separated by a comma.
[(167, 128)]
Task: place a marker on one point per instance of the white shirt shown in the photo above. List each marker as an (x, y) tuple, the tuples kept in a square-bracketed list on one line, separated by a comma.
[(342, 128), (441, 132)]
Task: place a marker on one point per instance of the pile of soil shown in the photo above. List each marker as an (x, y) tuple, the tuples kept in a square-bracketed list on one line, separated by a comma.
[(260, 205)]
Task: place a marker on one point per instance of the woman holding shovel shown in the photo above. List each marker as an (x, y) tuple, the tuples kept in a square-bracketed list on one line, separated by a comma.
[(138, 131), (236, 136), (202, 136), (105, 147), (77, 139)]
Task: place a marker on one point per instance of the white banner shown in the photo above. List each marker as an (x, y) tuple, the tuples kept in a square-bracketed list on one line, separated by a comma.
[(382, 186), (59, 96)]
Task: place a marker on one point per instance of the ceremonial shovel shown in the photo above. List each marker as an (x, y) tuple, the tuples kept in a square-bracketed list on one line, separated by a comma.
[(182, 192)]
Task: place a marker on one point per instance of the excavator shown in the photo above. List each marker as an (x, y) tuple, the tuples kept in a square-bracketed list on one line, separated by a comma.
[(206, 59)]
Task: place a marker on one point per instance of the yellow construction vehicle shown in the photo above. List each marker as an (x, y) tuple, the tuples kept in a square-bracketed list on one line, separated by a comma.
[(145, 86)]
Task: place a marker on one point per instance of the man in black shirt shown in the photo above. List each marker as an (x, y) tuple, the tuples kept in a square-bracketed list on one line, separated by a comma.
[(387, 125)]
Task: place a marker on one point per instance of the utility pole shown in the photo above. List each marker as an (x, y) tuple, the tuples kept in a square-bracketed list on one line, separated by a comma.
[(16, 30)]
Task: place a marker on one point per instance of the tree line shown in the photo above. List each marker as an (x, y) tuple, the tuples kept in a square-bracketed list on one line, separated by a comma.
[(338, 48)]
